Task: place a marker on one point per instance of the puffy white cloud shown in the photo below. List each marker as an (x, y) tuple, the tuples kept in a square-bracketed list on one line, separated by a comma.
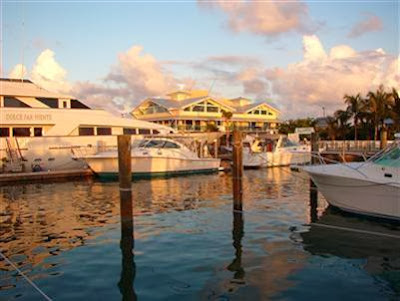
[(49, 74), (322, 80), (369, 24), (269, 18), (141, 74), (19, 71)]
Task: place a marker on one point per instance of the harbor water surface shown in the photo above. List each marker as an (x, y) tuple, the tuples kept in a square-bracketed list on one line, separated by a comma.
[(190, 245)]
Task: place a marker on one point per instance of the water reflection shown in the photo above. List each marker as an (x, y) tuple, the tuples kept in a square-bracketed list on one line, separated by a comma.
[(128, 267), (237, 234), (188, 245), (354, 237)]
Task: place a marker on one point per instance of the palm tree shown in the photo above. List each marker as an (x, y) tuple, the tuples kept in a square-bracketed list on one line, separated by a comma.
[(395, 108), (342, 117), (378, 105), (332, 127), (227, 116), (354, 107)]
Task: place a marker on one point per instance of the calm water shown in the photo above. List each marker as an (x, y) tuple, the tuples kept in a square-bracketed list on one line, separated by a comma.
[(188, 245)]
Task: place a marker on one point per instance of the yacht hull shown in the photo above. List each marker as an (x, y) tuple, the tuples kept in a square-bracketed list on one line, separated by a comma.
[(107, 167), (359, 196)]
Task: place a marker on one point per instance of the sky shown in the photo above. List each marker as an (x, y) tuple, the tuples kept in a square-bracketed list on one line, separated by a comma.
[(300, 55)]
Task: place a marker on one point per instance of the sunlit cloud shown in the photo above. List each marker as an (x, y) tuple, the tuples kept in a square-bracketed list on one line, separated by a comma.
[(269, 18), (18, 72), (49, 74), (322, 79)]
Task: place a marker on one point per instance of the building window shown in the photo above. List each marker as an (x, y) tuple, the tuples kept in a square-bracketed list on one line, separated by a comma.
[(86, 131), (50, 102), (4, 132), (144, 132), (12, 102), (65, 105), (156, 132), (213, 109), (198, 109), (187, 109), (129, 131), (263, 112), (21, 132), (103, 131), (37, 132), (76, 104)]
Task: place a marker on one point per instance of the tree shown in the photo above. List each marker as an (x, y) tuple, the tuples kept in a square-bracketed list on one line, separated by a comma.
[(354, 107), (395, 108), (378, 105), (332, 127), (227, 117), (342, 117)]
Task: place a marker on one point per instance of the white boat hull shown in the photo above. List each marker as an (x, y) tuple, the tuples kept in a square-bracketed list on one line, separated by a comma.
[(148, 166), (354, 194)]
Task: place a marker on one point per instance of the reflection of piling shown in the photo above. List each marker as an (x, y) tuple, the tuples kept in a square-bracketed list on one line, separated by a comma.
[(313, 187), (126, 211), (237, 235), (313, 202), (237, 170)]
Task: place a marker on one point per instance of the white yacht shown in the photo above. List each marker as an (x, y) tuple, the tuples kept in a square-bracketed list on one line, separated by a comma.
[(369, 188), (154, 157), (277, 151), (41, 130)]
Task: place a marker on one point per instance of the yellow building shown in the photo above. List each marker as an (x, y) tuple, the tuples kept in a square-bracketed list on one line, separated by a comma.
[(195, 110)]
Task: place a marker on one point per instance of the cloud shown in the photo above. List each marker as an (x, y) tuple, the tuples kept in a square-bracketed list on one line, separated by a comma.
[(141, 74), (49, 74), (369, 24), (268, 18), (19, 71), (322, 79)]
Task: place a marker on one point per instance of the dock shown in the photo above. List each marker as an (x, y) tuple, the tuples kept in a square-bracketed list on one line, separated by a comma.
[(45, 175)]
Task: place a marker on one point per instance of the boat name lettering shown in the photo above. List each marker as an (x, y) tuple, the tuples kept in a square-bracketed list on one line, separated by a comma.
[(30, 117)]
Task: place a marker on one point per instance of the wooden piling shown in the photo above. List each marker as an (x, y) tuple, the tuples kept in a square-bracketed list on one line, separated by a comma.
[(124, 162), (314, 148), (384, 135), (126, 214), (237, 170)]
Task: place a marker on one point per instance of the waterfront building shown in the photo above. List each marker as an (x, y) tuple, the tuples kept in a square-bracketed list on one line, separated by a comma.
[(195, 110)]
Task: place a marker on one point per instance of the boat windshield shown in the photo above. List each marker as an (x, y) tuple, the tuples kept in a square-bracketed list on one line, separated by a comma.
[(287, 143), (390, 157), (158, 144)]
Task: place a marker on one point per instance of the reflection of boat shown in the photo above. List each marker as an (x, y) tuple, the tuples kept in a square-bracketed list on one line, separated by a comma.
[(275, 151), (39, 129), (371, 188), (344, 235), (155, 156), (348, 236)]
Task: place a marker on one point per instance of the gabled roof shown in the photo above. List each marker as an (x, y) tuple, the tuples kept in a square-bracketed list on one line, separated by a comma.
[(244, 109), (26, 88), (173, 104)]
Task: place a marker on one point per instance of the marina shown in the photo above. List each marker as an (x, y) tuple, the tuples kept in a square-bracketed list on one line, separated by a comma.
[(199, 150), (190, 245)]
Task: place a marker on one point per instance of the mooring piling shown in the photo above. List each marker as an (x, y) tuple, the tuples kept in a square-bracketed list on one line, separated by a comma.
[(124, 162), (237, 170), (126, 213)]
